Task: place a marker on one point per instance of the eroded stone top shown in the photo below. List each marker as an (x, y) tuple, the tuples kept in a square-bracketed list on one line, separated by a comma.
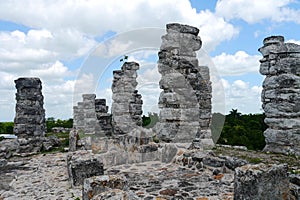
[(130, 66), (28, 83), (273, 39), (182, 28)]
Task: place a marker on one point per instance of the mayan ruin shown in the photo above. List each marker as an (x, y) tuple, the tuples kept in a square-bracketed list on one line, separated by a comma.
[(185, 102), (110, 154), (281, 94)]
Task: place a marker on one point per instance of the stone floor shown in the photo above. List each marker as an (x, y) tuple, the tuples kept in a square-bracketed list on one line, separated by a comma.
[(45, 177), (154, 180), (38, 177)]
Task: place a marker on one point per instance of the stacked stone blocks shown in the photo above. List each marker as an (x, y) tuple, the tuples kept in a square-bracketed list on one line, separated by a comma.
[(127, 102), (281, 94), (29, 122), (91, 116), (185, 102)]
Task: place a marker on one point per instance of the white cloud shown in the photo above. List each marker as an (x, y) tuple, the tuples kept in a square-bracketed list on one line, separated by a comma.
[(56, 71), (240, 95), (253, 11), (293, 41), (97, 17), (67, 31), (238, 64)]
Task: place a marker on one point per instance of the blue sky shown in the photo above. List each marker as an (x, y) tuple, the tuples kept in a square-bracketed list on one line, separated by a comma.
[(57, 41)]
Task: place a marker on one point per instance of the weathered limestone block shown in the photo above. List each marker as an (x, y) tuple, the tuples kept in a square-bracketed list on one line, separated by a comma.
[(255, 182), (127, 102), (30, 114), (185, 102), (91, 116), (81, 165), (99, 184), (29, 122), (281, 94), (73, 140), (103, 117)]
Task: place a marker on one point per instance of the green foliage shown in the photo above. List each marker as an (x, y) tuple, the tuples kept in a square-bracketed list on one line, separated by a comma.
[(155, 139), (6, 127), (64, 139), (51, 122), (255, 160), (151, 120), (243, 130)]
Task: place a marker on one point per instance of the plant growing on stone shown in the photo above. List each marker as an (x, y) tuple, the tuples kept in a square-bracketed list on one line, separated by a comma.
[(155, 139), (124, 59)]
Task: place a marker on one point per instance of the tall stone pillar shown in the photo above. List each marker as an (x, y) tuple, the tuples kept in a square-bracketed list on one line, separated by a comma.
[(185, 102), (29, 122), (281, 94), (127, 103), (103, 117)]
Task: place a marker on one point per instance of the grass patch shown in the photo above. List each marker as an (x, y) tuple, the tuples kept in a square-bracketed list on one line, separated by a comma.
[(64, 139), (255, 160)]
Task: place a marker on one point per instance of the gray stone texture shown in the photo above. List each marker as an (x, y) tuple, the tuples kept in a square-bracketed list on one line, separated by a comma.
[(255, 182), (185, 102), (127, 102), (81, 165), (281, 94), (29, 122), (99, 184), (103, 117), (91, 117), (73, 140)]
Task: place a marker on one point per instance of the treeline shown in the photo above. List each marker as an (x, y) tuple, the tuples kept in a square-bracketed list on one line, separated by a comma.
[(6, 127), (52, 122), (243, 130), (239, 129)]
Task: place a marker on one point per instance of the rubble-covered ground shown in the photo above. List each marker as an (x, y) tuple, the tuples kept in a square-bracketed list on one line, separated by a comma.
[(45, 176)]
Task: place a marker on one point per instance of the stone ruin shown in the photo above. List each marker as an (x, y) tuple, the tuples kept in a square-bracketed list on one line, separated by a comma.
[(185, 102), (261, 181), (281, 94), (183, 128), (185, 117), (127, 102), (30, 115), (29, 122), (91, 116)]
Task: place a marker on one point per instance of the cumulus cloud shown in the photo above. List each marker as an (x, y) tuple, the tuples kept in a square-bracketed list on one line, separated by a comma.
[(293, 41), (97, 17), (256, 10), (66, 31), (238, 64), (240, 95)]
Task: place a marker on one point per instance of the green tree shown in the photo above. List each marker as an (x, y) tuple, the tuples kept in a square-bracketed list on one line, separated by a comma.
[(246, 130)]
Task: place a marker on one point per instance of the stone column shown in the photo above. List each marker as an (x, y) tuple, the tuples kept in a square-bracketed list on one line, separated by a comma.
[(29, 122), (90, 119), (185, 102), (103, 117), (281, 94), (127, 103)]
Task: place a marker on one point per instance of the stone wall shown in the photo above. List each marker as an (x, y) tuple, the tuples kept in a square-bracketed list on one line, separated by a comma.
[(127, 103), (103, 117), (281, 94), (260, 181), (185, 102), (29, 122), (91, 116)]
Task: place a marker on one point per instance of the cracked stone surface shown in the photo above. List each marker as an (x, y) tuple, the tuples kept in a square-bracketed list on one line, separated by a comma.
[(281, 94)]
